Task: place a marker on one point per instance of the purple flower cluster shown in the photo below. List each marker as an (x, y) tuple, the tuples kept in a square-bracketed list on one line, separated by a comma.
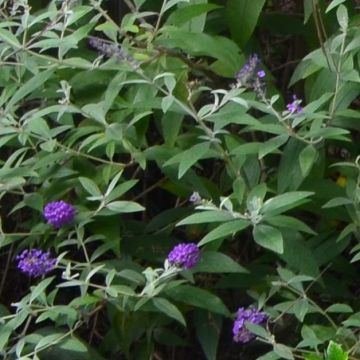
[(59, 213), (251, 315), (250, 75), (184, 255), (294, 107), (35, 262), (112, 50)]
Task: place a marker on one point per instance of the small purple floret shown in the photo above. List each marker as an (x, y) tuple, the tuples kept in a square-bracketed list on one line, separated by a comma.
[(184, 255), (59, 213), (35, 262), (261, 74), (251, 315), (195, 197), (294, 106)]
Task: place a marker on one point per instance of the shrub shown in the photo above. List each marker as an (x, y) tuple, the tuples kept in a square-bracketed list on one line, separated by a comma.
[(161, 185)]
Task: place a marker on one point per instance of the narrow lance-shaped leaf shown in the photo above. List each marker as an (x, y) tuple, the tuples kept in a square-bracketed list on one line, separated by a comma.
[(269, 238), (229, 228), (166, 307), (283, 202)]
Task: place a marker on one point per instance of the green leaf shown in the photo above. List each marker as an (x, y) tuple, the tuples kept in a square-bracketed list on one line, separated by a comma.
[(47, 340), (96, 111), (301, 308), (313, 357), (208, 329), (170, 3), (171, 125), (335, 352), (4, 336), (9, 38), (242, 17), (271, 355), (73, 344), (113, 89), (225, 230), (342, 16), (334, 4), (289, 174), (283, 351), (353, 320), (289, 222), (26, 88), (256, 195), (208, 216), (39, 288), (124, 206), (169, 309), (201, 44), (199, 298), (258, 330), (346, 231), (184, 14), (120, 190), (339, 308), (272, 144), (283, 202), (166, 102), (307, 158), (304, 70), (90, 186), (308, 10), (191, 156), (269, 238), (338, 201), (215, 262)]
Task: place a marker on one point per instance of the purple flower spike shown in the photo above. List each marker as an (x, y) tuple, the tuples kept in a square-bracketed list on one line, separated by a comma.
[(184, 255), (250, 315), (294, 106), (35, 262), (109, 50), (59, 213), (249, 68), (251, 75)]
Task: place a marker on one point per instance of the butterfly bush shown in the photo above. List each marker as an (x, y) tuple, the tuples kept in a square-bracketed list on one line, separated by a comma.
[(59, 213), (35, 262), (185, 256), (130, 117), (251, 315)]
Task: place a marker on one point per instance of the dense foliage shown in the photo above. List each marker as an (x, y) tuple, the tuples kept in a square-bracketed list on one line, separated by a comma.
[(180, 179)]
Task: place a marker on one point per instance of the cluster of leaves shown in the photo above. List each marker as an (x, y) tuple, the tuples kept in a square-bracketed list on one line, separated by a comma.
[(125, 116)]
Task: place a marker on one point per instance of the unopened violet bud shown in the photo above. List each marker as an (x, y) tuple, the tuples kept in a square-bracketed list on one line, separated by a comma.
[(59, 213), (184, 255), (35, 262), (251, 315)]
